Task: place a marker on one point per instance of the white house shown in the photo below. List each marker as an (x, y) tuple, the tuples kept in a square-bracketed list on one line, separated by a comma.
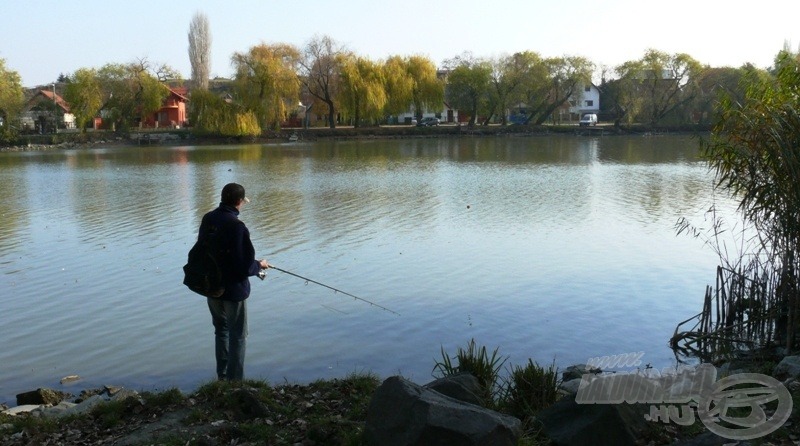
[(586, 100), (447, 115)]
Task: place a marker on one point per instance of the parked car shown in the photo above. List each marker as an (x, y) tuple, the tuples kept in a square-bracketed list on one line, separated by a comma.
[(428, 122), (588, 119)]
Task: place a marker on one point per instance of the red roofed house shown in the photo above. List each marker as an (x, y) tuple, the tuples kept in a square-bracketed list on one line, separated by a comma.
[(172, 113), (45, 111)]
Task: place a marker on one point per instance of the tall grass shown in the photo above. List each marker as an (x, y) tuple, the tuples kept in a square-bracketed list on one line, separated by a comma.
[(476, 361), (522, 392), (529, 389)]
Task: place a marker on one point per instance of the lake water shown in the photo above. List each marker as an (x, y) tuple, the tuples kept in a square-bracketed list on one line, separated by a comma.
[(553, 248)]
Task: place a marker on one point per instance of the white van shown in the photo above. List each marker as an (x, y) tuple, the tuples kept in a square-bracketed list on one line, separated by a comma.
[(588, 119)]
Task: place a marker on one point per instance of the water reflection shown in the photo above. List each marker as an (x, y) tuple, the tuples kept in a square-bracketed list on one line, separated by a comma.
[(541, 245)]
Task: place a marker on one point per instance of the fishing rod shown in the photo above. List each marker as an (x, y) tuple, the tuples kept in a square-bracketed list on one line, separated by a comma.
[(329, 287)]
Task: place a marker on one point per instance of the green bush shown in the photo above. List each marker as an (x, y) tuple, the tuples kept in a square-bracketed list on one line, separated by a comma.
[(476, 361), (530, 389)]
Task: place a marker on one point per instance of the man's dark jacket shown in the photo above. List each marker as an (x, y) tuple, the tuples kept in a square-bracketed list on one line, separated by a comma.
[(237, 255)]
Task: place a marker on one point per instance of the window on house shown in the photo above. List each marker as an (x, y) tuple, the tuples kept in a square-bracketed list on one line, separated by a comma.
[(587, 88), (589, 103)]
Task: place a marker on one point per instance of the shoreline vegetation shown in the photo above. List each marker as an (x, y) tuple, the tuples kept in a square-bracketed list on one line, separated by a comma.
[(185, 136), (337, 411)]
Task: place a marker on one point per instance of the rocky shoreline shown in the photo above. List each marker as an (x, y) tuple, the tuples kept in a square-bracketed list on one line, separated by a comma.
[(331, 412)]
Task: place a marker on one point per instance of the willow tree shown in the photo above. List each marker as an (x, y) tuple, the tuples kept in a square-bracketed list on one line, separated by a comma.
[(755, 154), (200, 50), (266, 81), (427, 90), (412, 83), (84, 95), (398, 86), (362, 94), (11, 99), (212, 115)]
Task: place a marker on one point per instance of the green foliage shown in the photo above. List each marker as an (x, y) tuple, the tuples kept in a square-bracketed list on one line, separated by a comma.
[(266, 83), (30, 424), (11, 100), (84, 96), (755, 154), (468, 85), (526, 391), (132, 92), (219, 391), (332, 411), (657, 85), (110, 413), (427, 90), (476, 361), (211, 115), (162, 399), (530, 389), (363, 93)]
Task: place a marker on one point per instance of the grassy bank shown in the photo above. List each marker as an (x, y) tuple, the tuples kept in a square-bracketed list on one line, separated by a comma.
[(325, 412)]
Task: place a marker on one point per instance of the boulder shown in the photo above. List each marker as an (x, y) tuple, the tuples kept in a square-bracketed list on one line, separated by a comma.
[(48, 397), (60, 409), (248, 405), (25, 408), (83, 407), (402, 413), (571, 386), (789, 367), (568, 423), (577, 371), (708, 439), (461, 386)]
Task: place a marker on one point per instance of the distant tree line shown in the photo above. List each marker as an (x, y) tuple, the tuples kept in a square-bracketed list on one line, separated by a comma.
[(272, 82)]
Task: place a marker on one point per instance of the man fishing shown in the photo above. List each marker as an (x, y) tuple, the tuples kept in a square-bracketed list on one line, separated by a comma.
[(237, 263)]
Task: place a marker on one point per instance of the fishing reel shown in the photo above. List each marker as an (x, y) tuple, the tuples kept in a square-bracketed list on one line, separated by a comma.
[(262, 274)]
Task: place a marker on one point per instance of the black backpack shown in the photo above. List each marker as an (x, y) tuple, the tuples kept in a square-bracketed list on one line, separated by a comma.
[(202, 272)]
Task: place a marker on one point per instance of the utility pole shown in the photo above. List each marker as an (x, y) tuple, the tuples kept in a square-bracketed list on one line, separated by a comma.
[(55, 110)]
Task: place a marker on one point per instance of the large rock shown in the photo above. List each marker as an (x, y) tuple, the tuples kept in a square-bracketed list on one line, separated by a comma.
[(789, 367), (568, 423), (577, 371), (402, 413), (248, 405), (462, 386), (44, 396)]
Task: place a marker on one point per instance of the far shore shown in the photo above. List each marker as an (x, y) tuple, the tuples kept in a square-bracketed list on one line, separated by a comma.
[(72, 139)]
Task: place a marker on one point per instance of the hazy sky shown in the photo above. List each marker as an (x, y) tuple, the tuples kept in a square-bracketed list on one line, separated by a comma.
[(41, 39)]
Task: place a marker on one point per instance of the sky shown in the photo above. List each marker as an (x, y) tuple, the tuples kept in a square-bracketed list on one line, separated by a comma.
[(40, 40)]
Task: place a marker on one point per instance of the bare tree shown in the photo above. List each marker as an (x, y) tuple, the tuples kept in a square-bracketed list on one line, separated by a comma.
[(320, 72), (200, 50)]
